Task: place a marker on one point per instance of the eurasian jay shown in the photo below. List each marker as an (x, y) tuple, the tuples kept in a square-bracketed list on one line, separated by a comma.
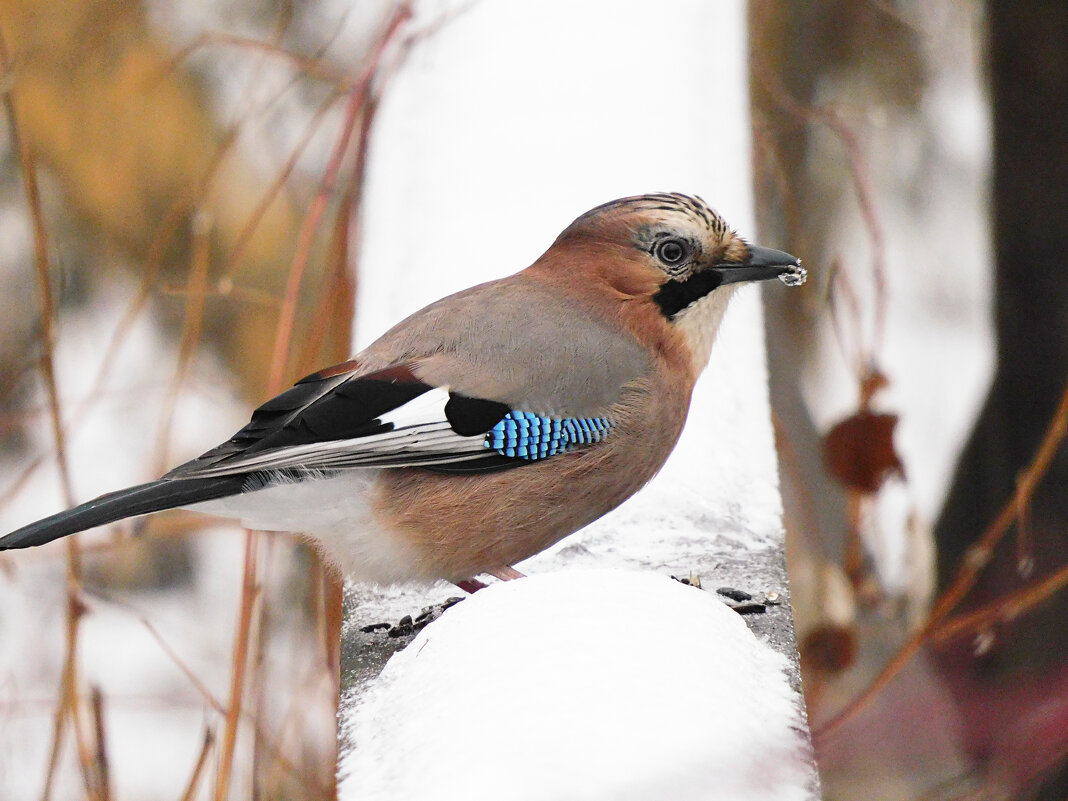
[(490, 424)]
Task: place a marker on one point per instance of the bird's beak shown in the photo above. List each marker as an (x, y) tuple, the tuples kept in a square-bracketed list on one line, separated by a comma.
[(763, 264)]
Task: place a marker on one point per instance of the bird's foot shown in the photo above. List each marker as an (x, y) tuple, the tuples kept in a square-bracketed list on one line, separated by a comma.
[(470, 585), (505, 573)]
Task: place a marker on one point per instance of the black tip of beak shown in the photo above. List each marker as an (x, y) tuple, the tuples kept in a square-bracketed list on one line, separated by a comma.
[(763, 264)]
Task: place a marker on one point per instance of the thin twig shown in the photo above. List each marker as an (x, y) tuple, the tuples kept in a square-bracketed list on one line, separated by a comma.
[(202, 761), (866, 202), (1001, 610), (249, 595), (67, 703), (336, 294), (1025, 560), (829, 117), (975, 559), (311, 66), (225, 287), (257, 637), (103, 777), (28, 171), (59, 717), (840, 293), (201, 688), (357, 98), (268, 197), (191, 326), (82, 732)]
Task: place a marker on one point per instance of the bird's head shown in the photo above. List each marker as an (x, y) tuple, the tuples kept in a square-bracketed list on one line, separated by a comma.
[(674, 254)]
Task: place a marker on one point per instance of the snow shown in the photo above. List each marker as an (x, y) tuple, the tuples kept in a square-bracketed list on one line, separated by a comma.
[(581, 685)]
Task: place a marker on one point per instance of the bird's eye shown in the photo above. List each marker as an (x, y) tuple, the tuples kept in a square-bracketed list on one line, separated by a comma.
[(672, 252)]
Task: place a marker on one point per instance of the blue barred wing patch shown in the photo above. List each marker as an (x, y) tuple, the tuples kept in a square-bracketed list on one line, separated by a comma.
[(524, 435)]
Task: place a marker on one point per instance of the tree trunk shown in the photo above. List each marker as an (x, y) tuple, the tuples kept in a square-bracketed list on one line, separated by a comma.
[(1029, 658)]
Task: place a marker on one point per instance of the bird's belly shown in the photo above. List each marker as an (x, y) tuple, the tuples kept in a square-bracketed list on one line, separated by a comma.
[(335, 514), (459, 526)]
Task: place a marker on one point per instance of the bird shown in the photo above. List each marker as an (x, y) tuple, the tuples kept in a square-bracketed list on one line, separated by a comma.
[(490, 424)]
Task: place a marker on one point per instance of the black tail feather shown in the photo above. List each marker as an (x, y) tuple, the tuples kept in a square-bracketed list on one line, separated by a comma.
[(142, 499)]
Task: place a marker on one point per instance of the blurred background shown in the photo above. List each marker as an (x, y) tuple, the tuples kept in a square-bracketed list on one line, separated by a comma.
[(180, 198)]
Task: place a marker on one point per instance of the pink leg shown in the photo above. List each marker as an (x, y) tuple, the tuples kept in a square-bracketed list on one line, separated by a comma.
[(470, 585), (506, 573)]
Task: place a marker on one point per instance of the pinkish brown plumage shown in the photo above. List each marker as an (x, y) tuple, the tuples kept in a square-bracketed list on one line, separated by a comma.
[(492, 423)]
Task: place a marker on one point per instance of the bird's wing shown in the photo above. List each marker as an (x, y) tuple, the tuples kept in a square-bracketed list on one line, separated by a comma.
[(330, 421), (339, 419), (493, 377)]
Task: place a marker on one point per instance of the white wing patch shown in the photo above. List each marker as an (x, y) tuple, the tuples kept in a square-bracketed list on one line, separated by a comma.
[(421, 435)]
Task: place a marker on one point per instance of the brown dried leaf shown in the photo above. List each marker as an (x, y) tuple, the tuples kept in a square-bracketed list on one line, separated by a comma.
[(860, 451), (828, 649)]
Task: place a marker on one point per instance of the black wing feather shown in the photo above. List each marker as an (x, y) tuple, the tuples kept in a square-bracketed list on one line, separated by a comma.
[(334, 405), (471, 416), (321, 407)]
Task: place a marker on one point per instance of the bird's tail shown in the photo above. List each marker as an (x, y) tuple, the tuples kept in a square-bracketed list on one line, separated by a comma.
[(142, 499)]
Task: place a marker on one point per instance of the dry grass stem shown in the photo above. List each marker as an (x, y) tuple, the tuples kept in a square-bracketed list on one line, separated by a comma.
[(357, 98), (311, 66), (250, 596), (190, 336), (202, 761), (103, 778), (268, 197), (68, 702), (201, 688)]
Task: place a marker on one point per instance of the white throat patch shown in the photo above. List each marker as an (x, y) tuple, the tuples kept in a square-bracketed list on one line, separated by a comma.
[(699, 323)]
